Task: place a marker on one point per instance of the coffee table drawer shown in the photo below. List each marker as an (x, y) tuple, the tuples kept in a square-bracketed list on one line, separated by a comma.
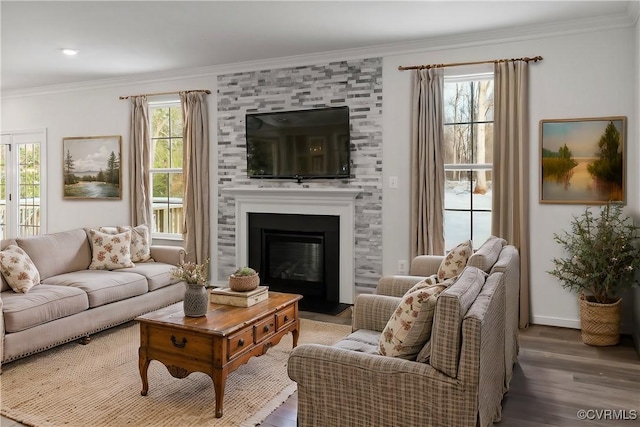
[(179, 342), (239, 341), (264, 328), (285, 317)]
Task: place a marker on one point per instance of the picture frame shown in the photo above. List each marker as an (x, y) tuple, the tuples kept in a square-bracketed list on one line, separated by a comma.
[(91, 167), (582, 161)]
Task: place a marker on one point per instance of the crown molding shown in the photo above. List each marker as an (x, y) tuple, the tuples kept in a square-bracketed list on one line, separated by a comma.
[(502, 35)]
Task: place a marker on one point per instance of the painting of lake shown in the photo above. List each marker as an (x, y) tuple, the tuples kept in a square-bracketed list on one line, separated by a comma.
[(582, 160)]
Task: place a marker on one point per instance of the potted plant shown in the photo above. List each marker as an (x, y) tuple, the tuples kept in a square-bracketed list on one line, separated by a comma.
[(604, 252), (196, 299), (244, 279)]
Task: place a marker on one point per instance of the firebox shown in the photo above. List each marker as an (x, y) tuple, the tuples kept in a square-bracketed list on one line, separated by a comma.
[(298, 254)]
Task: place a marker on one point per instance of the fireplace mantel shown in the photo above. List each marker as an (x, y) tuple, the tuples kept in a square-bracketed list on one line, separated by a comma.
[(302, 201)]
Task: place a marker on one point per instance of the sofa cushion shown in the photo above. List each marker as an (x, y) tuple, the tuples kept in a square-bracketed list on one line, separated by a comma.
[(455, 261), (158, 274), (110, 251), (3, 245), (102, 286), (487, 254), (451, 307), (140, 242), (18, 269), (409, 327), (42, 304), (362, 340), (58, 253)]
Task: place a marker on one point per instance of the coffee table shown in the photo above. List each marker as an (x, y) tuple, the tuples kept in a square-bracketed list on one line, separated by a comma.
[(217, 343)]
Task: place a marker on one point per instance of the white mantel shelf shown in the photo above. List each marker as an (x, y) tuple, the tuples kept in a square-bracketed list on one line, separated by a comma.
[(302, 201)]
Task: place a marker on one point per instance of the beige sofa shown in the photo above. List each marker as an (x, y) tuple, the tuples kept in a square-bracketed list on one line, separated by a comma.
[(71, 301), (461, 382)]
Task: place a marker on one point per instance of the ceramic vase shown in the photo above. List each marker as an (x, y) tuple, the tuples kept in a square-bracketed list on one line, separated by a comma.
[(196, 300)]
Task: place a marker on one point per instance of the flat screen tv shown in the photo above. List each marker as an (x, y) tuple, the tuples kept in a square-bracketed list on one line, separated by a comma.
[(304, 144)]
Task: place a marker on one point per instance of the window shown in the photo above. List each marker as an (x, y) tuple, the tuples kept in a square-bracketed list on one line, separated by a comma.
[(468, 156), (21, 187), (166, 169)]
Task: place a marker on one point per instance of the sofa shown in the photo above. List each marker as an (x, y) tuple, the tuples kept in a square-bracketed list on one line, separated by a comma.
[(73, 295), (459, 375)]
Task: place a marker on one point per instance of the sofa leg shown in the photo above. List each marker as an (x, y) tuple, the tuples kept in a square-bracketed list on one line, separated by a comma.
[(85, 340)]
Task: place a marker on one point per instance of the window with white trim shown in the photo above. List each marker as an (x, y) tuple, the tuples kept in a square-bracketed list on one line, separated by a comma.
[(22, 191), (468, 157), (166, 169)]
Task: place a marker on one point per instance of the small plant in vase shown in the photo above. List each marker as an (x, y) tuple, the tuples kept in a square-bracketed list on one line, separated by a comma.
[(244, 279), (196, 299)]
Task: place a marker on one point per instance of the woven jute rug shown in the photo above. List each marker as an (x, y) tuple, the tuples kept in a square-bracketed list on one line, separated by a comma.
[(99, 385)]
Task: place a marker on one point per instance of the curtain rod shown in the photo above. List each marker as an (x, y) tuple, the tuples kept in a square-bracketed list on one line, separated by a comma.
[(207, 91), (456, 64)]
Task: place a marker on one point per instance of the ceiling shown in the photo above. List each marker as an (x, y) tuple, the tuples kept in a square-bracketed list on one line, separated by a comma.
[(121, 39)]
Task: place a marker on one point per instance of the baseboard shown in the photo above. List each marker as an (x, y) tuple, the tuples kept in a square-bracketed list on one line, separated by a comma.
[(556, 321)]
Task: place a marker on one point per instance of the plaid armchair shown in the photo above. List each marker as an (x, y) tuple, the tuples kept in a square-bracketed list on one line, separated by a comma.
[(462, 384)]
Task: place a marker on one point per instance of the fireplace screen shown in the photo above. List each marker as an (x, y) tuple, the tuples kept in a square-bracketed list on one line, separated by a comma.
[(295, 257)]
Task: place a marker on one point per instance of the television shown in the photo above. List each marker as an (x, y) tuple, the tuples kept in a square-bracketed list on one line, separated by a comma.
[(304, 144)]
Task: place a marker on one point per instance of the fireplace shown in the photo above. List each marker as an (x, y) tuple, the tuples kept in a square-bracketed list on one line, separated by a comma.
[(298, 254)]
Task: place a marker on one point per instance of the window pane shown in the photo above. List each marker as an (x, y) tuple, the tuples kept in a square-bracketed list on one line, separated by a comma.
[(483, 100), (29, 190), (456, 228), (457, 102), (160, 153), (176, 121), (3, 190), (176, 153), (481, 228), (457, 144), (160, 123), (160, 183), (176, 186), (481, 190), (483, 143), (457, 190)]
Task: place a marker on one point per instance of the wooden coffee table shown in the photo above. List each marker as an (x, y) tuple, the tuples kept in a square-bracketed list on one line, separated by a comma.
[(216, 344)]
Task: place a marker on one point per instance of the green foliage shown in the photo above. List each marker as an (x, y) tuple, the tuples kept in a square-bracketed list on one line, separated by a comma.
[(244, 271), (604, 252), (558, 165), (608, 167)]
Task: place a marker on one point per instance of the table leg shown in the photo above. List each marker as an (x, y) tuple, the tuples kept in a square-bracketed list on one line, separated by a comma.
[(219, 379), (143, 365), (295, 333)]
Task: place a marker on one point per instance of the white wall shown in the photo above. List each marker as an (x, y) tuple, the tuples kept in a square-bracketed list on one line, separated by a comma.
[(582, 75)]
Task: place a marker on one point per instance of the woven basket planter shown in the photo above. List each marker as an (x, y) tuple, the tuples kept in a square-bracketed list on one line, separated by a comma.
[(244, 283), (600, 323)]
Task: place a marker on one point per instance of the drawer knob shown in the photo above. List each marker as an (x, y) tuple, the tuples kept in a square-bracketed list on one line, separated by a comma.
[(240, 342), (286, 318), (177, 344), (265, 328)]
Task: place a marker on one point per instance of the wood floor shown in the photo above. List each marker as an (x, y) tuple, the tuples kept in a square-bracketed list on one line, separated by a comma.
[(555, 377)]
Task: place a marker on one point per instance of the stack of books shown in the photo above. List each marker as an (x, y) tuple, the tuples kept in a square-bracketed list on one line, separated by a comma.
[(239, 299)]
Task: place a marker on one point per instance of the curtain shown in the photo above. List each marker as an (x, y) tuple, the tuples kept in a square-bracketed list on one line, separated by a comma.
[(195, 168), (510, 210), (427, 164), (139, 162)]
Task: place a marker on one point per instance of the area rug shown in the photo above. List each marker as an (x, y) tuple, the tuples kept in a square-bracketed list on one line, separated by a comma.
[(99, 385)]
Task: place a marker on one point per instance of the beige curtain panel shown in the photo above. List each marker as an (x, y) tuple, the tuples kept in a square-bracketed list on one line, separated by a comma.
[(196, 176), (510, 210), (139, 161), (427, 164)]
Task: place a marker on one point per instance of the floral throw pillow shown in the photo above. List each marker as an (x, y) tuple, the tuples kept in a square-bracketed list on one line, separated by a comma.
[(140, 242), (110, 251), (18, 269), (455, 261), (409, 327)]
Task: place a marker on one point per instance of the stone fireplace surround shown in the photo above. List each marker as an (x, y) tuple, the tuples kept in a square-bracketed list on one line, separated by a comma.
[(302, 201)]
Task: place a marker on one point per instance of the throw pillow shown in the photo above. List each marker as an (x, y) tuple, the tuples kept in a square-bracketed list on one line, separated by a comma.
[(487, 254), (455, 261), (110, 251), (140, 242), (426, 282), (409, 327), (18, 269)]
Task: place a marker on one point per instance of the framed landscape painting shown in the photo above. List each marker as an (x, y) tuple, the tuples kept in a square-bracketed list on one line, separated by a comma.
[(582, 161), (91, 167)]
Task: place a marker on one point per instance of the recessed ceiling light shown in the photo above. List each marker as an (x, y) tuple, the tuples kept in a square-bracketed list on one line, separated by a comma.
[(70, 52)]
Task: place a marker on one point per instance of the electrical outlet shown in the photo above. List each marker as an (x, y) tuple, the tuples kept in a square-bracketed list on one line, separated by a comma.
[(393, 182), (403, 266)]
